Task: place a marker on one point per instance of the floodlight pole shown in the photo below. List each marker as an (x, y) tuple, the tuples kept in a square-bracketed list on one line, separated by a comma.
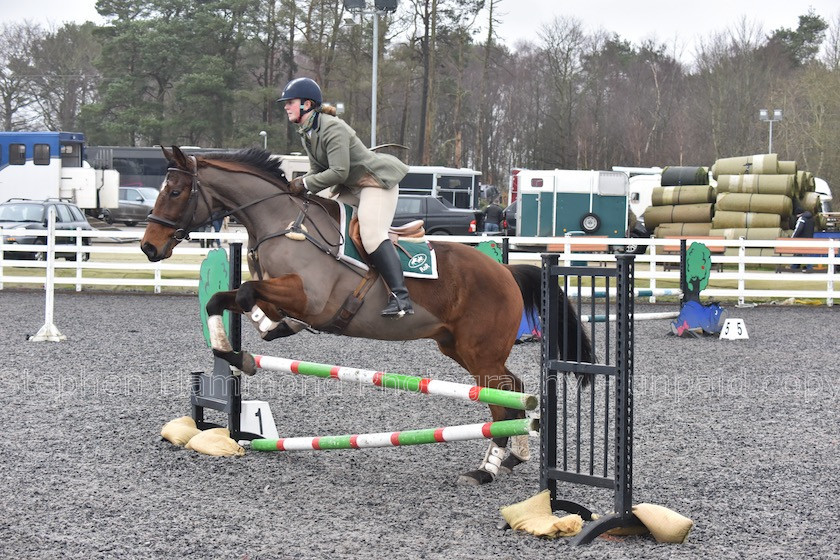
[(764, 115), (374, 78)]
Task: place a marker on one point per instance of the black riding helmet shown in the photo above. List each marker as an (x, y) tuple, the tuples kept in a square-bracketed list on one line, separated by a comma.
[(302, 88)]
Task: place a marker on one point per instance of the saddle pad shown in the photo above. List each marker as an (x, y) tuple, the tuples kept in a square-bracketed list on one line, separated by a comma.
[(417, 257)]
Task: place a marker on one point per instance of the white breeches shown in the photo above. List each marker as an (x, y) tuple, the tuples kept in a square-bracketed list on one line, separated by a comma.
[(375, 207)]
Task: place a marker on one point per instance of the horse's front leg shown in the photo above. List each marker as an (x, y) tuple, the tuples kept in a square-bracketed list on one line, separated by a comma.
[(219, 341)]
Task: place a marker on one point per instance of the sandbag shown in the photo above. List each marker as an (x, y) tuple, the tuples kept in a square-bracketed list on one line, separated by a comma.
[(757, 164), (726, 219), (664, 524), (681, 229), (215, 441), (761, 203), (534, 516), (679, 176), (758, 184), (179, 431), (688, 194), (748, 233), (687, 213)]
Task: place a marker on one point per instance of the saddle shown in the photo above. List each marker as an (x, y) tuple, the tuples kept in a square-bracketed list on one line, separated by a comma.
[(412, 231)]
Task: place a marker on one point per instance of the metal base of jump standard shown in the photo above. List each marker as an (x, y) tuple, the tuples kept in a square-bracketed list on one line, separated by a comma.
[(586, 432), (221, 390)]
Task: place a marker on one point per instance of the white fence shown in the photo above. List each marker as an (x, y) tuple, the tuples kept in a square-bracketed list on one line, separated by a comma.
[(115, 260)]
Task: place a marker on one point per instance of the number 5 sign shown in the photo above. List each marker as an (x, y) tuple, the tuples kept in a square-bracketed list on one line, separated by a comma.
[(734, 329)]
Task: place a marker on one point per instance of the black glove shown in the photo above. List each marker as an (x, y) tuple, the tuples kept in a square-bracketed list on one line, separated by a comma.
[(296, 187)]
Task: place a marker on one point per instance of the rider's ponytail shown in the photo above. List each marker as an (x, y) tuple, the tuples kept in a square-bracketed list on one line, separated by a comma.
[(327, 108)]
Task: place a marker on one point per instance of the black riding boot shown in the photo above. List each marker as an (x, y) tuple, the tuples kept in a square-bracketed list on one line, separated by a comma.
[(387, 262)]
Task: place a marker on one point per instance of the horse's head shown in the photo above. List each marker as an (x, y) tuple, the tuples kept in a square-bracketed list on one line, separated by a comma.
[(175, 212)]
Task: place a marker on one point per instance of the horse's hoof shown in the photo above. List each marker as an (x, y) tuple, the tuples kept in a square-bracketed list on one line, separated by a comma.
[(248, 365), (282, 330), (508, 463), (475, 478)]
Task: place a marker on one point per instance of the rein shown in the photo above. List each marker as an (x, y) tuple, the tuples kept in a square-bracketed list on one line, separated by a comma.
[(184, 226), (321, 244)]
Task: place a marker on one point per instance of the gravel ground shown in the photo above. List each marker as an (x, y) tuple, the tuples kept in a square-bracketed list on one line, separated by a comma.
[(741, 436)]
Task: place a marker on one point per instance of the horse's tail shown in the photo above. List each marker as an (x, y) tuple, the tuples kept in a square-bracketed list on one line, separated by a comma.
[(529, 279)]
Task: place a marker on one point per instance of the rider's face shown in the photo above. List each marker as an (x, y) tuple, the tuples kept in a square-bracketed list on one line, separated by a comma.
[(292, 107)]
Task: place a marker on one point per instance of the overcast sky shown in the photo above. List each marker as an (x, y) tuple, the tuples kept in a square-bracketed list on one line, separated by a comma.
[(669, 21)]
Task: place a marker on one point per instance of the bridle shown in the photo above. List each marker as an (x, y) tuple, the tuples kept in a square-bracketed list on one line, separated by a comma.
[(182, 227)]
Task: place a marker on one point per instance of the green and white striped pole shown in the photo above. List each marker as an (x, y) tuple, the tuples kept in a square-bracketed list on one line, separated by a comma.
[(487, 430), (507, 399)]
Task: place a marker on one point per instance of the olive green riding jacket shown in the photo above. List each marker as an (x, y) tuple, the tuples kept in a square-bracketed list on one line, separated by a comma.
[(337, 157)]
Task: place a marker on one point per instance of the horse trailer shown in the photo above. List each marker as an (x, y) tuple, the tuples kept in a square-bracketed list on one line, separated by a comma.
[(557, 202)]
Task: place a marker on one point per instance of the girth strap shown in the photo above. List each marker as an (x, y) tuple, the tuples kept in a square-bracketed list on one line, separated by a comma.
[(351, 305)]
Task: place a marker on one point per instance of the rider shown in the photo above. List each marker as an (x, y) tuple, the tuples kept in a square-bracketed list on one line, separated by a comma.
[(364, 179)]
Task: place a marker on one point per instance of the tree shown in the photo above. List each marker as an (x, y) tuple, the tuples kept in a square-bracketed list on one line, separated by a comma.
[(801, 46), (16, 44), (63, 74)]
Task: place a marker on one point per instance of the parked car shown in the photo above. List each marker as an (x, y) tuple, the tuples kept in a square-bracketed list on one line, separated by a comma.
[(508, 225), (135, 205), (440, 217), (33, 215)]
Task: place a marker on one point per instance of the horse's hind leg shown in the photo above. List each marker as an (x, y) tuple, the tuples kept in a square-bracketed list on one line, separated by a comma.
[(488, 369)]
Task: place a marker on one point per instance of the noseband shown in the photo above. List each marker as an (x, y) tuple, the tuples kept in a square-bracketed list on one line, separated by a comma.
[(182, 227)]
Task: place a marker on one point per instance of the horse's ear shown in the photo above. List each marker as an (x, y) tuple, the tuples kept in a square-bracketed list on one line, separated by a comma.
[(180, 158), (167, 154)]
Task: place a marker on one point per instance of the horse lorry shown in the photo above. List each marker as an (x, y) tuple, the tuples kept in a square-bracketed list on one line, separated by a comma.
[(51, 165)]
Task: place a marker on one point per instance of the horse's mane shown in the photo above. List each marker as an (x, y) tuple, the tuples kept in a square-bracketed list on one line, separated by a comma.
[(255, 159)]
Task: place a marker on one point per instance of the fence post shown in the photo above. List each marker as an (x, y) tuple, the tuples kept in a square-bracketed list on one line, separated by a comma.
[(49, 332), (742, 254), (832, 254), (79, 258)]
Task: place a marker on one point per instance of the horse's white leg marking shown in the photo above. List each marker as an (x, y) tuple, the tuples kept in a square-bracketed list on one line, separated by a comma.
[(519, 447), (218, 337), (263, 323)]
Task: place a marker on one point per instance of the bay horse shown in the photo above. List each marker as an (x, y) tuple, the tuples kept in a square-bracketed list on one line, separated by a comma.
[(473, 310)]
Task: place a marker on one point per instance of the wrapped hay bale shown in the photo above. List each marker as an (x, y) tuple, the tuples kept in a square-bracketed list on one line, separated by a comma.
[(179, 431), (681, 229), (787, 167), (804, 183), (821, 221), (758, 164), (681, 176), (726, 219), (688, 213), (810, 201), (761, 203), (758, 184), (687, 194), (748, 233)]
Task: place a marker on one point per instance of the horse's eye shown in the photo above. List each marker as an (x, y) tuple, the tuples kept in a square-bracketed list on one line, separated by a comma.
[(175, 193)]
